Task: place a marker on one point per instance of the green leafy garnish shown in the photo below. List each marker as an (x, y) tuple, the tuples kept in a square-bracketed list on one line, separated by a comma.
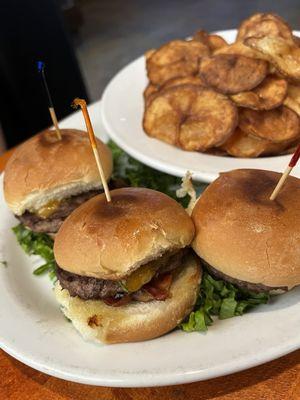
[(39, 244), (136, 174), (4, 263), (221, 299)]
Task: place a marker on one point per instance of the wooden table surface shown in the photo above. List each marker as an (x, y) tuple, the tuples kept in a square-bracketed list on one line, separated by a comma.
[(276, 380)]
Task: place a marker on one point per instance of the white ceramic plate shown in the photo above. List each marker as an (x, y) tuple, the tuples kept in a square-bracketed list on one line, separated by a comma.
[(122, 113), (33, 330)]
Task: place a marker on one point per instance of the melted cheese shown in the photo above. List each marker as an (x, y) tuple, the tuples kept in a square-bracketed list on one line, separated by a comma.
[(48, 209), (140, 277), (144, 274)]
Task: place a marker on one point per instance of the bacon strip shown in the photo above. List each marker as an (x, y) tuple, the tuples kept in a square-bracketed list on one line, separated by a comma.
[(157, 289), (117, 301), (159, 286)]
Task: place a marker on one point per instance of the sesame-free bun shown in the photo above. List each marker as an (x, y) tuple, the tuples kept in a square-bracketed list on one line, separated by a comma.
[(135, 321), (111, 240), (44, 169), (246, 236)]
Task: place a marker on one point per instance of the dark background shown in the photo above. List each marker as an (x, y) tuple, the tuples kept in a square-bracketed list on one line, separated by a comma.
[(86, 42), (115, 32)]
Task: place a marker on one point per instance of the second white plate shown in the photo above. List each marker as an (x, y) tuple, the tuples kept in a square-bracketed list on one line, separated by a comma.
[(122, 112)]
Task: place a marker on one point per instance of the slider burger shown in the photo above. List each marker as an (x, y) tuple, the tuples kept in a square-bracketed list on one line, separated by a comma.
[(46, 178), (125, 271), (246, 239)]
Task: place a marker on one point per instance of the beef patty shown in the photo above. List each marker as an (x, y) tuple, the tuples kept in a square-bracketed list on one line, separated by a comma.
[(88, 288), (52, 223), (252, 287)]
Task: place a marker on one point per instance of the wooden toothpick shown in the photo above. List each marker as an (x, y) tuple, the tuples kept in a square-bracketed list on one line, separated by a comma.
[(55, 123), (82, 103), (41, 69), (286, 173)]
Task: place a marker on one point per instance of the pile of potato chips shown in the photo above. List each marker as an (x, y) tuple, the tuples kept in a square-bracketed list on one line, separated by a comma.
[(241, 99)]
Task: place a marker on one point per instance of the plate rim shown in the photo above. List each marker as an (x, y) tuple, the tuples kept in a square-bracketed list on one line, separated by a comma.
[(154, 379)]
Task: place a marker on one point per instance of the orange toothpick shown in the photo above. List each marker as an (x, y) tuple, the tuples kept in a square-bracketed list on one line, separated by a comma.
[(82, 103), (286, 173)]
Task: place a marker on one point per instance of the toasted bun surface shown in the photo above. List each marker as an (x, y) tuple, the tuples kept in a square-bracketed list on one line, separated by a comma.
[(44, 168), (136, 321), (243, 234), (110, 240)]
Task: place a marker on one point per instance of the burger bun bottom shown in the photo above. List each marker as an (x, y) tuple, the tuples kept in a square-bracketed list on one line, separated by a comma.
[(136, 321)]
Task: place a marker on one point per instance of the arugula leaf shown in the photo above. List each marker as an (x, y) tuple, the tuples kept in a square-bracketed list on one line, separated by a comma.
[(34, 243), (48, 267), (136, 174), (39, 244), (221, 299), (227, 309)]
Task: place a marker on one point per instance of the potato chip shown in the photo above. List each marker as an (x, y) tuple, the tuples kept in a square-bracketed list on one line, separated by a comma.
[(150, 89), (149, 53), (269, 94), (240, 49), (216, 151), (291, 148), (264, 24), (283, 55), (246, 146), (194, 117), (161, 120), (193, 80), (292, 99), (296, 40), (214, 42), (175, 59), (277, 125), (231, 73)]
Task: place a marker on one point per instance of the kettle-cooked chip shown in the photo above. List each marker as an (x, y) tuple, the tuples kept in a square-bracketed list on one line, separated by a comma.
[(296, 40), (216, 151), (232, 73), (285, 56), (177, 58), (193, 117), (152, 89), (192, 80), (269, 94), (149, 53), (292, 99), (291, 147), (277, 125), (246, 146), (240, 49), (214, 42), (264, 24)]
